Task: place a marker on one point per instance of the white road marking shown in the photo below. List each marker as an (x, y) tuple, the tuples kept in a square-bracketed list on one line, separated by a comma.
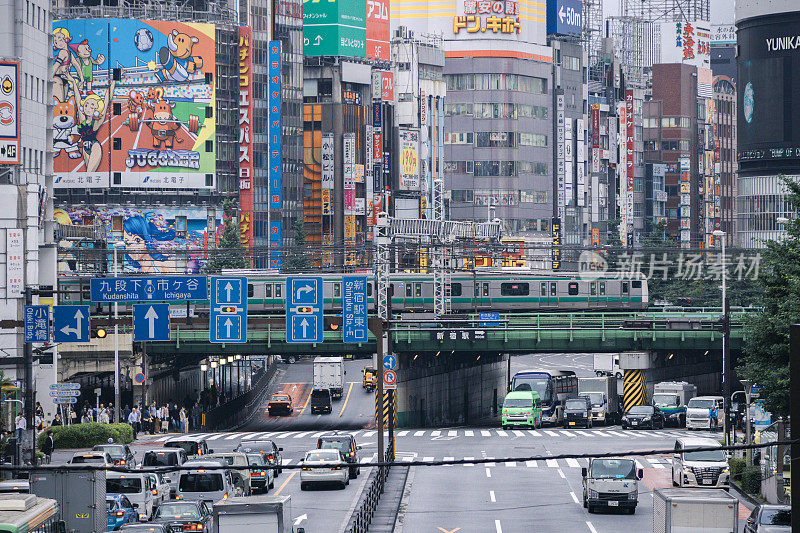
[(638, 464), (573, 463), (560, 473), (534, 433), (419, 433), (366, 459), (427, 459), (485, 433), (574, 498), (591, 527), (369, 433), (407, 459), (551, 433), (452, 433), (491, 497), (598, 433), (469, 459), (501, 433), (531, 464), (284, 435), (488, 472), (285, 461), (402, 433), (552, 463), (448, 459), (585, 433), (435, 433), (518, 433), (497, 526), (302, 434), (568, 433), (618, 434), (231, 437), (510, 463), (490, 464), (469, 433), (162, 439)]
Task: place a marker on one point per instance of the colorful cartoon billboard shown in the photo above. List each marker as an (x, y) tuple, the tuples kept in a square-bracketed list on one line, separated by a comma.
[(133, 104), (157, 239)]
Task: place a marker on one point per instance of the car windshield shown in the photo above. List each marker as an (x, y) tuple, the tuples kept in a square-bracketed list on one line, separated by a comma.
[(255, 459), (110, 505), (575, 404), (323, 456), (177, 511), (613, 469), (117, 452), (334, 444), (160, 459), (701, 404), (641, 410), (539, 385), (201, 482), (518, 402), (320, 394), (88, 459), (189, 447), (665, 400), (130, 485), (227, 458), (280, 398), (716, 456), (595, 398), (776, 517)]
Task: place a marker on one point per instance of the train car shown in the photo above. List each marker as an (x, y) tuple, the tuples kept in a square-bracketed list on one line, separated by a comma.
[(503, 290)]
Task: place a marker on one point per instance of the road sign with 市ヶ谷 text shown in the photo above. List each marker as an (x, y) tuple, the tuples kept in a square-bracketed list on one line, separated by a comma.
[(228, 310), (71, 323), (151, 322), (304, 309), (354, 308), (149, 289)]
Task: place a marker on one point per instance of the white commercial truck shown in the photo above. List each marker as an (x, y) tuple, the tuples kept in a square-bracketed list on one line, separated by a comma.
[(607, 364), (671, 398), (603, 395), (329, 374), (677, 510), (611, 482), (255, 514)]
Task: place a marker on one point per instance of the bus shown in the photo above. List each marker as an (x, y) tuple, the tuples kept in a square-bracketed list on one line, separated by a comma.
[(40, 515), (554, 387)]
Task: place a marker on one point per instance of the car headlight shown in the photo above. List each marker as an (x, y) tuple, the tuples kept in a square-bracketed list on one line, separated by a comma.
[(633, 495), (725, 470), (592, 494), (505, 411), (687, 470), (624, 418), (527, 413), (646, 419)]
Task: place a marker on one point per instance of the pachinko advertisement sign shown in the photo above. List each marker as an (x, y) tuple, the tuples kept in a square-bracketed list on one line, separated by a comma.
[(133, 104), (245, 137)]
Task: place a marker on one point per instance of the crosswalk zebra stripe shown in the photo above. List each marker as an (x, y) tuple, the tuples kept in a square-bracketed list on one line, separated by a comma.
[(407, 459), (531, 464), (568, 433), (369, 433), (435, 433), (518, 433), (469, 433), (534, 433), (427, 459), (572, 463), (452, 433), (286, 461), (365, 460), (419, 433), (552, 463), (449, 459), (402, 433), (617, 434), (500, 433), (301, 434), (551, 433), (282, 435), (489, 464), (231, 437), (485, 433), (510, 463), (469, 459)]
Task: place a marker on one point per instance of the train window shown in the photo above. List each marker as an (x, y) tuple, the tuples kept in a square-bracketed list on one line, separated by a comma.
[(514, 289), (553, 291), (636, 284), (455, 289), (572, 289), (624, 287), (486, 289), (593, 288), (337, 290), (250, 290), (277, 290), (418, 290), (477, 289), (369, 289), (409, 288), (544, 289), (268, 290)]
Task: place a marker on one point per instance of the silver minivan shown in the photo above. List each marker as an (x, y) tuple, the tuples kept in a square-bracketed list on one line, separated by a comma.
[(205, 482), (699, 468), (166, 457), (240, 470)]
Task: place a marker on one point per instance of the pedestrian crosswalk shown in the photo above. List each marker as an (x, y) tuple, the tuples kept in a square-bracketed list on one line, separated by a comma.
[(439, 434), (654, 461)]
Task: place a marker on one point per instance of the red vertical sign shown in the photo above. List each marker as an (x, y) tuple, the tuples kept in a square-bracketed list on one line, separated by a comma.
[(378, 29), (595, 126), (629, 136), (245, 142)]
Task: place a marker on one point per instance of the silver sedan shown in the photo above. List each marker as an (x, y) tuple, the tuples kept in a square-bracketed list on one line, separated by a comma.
[(324, 466)]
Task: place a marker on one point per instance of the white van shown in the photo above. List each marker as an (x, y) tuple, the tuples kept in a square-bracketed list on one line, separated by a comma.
[(205, 484), (705, 412), (240, 470), (137, 487), (699, 469), (166, 457)]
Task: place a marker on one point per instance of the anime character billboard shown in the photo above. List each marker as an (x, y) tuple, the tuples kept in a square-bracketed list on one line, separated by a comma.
[(133, 104)]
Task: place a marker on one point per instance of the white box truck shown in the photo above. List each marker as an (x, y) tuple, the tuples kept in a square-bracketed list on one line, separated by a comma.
[(607, 364), (671, 398), (602, 393), (329, 374), (255, 514), (677, 510)]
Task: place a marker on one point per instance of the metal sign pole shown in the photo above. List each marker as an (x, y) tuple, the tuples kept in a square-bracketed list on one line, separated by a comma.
[(29, 392)]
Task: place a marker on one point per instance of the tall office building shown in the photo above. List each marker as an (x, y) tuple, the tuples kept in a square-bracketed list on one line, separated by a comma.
[(726, 166)]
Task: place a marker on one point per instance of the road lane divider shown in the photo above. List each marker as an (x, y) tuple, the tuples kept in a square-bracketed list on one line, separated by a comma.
[(346, 398)]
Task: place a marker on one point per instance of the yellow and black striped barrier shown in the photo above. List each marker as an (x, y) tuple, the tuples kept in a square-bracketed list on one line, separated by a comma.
[(634, 391), (388, 406)]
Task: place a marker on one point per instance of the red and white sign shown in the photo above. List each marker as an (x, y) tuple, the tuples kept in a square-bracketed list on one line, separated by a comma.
[(139, 378), (378, 29), (245, 139), (9, 113), (595, 138), (15, 266), (389, 379), (387, 88)]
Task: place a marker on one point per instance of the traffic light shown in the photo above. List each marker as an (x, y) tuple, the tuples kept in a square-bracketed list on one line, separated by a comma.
[(99, 333)]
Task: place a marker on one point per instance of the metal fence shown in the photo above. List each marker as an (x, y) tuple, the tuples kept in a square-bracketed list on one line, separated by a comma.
[(361, 518), (235, 412)]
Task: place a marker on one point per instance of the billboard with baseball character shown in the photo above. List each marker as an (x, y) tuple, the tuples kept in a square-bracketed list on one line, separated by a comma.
[(133, 104)]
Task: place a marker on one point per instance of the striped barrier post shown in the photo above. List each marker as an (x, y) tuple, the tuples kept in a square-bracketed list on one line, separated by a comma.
[(634, 390)]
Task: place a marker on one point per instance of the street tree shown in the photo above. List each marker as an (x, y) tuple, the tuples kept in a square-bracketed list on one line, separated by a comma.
[(299, 258), (229, 252)]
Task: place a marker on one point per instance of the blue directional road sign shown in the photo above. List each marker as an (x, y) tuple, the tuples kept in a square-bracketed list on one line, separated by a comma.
[(354, 308), (389, 362), (37, 323), (71, 323), (151, 322), (488, 320), (149, 289), (228, 310), (304, 309)]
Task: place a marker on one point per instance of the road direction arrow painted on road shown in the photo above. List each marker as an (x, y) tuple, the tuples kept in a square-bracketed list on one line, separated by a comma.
[(299, 519)]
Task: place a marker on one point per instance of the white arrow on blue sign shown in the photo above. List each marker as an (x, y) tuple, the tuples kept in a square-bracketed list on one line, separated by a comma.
[(304, 309), (71, 323), (228, 310), (389, 362), (65, 386), (151, 322)]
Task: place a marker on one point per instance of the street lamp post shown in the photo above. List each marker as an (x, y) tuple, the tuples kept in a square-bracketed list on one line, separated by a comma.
[(747, 384), (116, 340), (725, 340)]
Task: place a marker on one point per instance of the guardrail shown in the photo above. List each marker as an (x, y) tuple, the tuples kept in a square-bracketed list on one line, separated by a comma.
[(361, 518), (233, 413)]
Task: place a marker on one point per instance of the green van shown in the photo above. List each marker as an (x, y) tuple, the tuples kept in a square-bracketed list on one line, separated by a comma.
[(522, 408)]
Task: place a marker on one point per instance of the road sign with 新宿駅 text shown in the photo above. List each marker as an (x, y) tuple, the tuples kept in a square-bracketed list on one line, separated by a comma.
[(151, 322), (149, 289), (228, 310), (354, 309), (304, 309)]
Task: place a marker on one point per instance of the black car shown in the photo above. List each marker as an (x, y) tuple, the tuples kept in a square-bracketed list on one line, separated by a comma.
[(121, 454), (149, 527), (345, 444), (578, 412), (321, 401), (769, 519), (270, 451), (184, 515), (643, 416)]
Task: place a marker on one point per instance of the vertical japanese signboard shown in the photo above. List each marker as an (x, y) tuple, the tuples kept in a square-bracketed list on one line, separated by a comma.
[(580, 160), (275, 124), (326, 153), (555, 232), (354, 308), (595, 137), (569, 162), (629, 158), (15, 267), (349, 193), (685, 200), (409, 160), (10, 113), (378, 29), (245, 141), (560, 166), (622, 195)]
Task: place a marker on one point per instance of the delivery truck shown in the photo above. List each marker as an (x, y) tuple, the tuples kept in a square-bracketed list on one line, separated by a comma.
[(671, 398), (607, 364), (329, 374), (678, 510), (603, 395)]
